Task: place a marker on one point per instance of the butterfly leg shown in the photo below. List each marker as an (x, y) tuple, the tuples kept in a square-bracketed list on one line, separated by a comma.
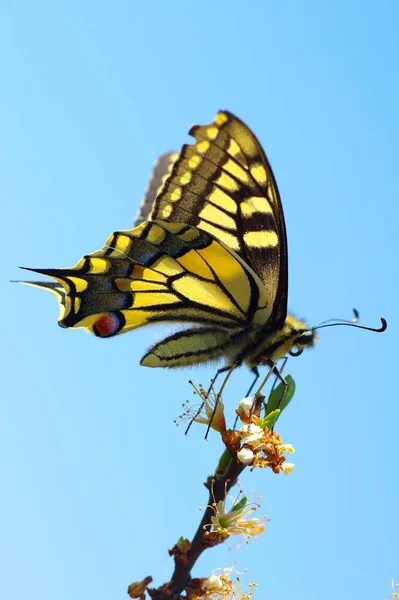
[(219, 394), (279, 375), (218, 372), (273, 369), (255, 371), (280, 372)]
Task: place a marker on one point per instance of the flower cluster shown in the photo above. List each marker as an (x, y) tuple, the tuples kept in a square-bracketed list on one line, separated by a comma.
[(254, 444)]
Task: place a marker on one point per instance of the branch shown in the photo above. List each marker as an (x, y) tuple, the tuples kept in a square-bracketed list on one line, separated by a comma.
[(254, 444), (218, 485)]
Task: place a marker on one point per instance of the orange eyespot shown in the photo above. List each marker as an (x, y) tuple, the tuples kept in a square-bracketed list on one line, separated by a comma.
[(109, 325)]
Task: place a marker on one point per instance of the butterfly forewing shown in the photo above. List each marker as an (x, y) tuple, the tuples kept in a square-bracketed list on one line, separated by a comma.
[(223, 184)]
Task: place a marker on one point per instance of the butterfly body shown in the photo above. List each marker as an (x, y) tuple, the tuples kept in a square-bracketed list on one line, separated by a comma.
[(212, 255)]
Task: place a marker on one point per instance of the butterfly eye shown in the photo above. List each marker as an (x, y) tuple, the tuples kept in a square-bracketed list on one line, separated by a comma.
[(306, 339), (109, 325)]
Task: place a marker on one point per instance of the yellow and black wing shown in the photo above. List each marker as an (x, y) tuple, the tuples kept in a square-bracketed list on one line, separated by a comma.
[(162, 272), (162, 168), (54, 287), (224, 185)]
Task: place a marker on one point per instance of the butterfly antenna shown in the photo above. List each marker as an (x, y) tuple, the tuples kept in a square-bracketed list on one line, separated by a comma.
[(354, 320), (383, 327)]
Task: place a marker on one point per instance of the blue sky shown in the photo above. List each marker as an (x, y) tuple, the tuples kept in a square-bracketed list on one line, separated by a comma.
[(97, 480)]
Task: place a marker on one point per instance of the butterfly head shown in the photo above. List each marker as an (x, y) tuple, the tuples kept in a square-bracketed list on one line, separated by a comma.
[(306, 339), (292, 338)]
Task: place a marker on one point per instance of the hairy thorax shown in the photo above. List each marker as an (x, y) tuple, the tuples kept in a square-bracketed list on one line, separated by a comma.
[(293, 335)]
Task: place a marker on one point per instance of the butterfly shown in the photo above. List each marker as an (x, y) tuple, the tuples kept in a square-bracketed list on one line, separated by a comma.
[(209, 250)]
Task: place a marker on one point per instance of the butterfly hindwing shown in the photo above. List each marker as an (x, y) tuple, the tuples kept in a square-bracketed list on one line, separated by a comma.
[(191, 346), (52, 286), (157, 272)]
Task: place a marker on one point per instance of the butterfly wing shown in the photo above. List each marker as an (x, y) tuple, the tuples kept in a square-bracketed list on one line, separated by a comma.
[(52, 286), (193, 346), (157, 272), (162, 168), (224, 185)]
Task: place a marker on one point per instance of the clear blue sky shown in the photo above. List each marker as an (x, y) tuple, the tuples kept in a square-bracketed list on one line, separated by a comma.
[(92, 93)]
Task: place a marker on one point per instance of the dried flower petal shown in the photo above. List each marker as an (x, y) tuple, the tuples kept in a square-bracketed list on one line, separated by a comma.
[(251, 434), (214, 583), (287, 467), (137, 588), (245, 407), (245, 456)]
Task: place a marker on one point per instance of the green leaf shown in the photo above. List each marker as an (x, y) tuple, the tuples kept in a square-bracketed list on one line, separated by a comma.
[(239, 505), (270, 419), (223, 464), (274, 401)]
